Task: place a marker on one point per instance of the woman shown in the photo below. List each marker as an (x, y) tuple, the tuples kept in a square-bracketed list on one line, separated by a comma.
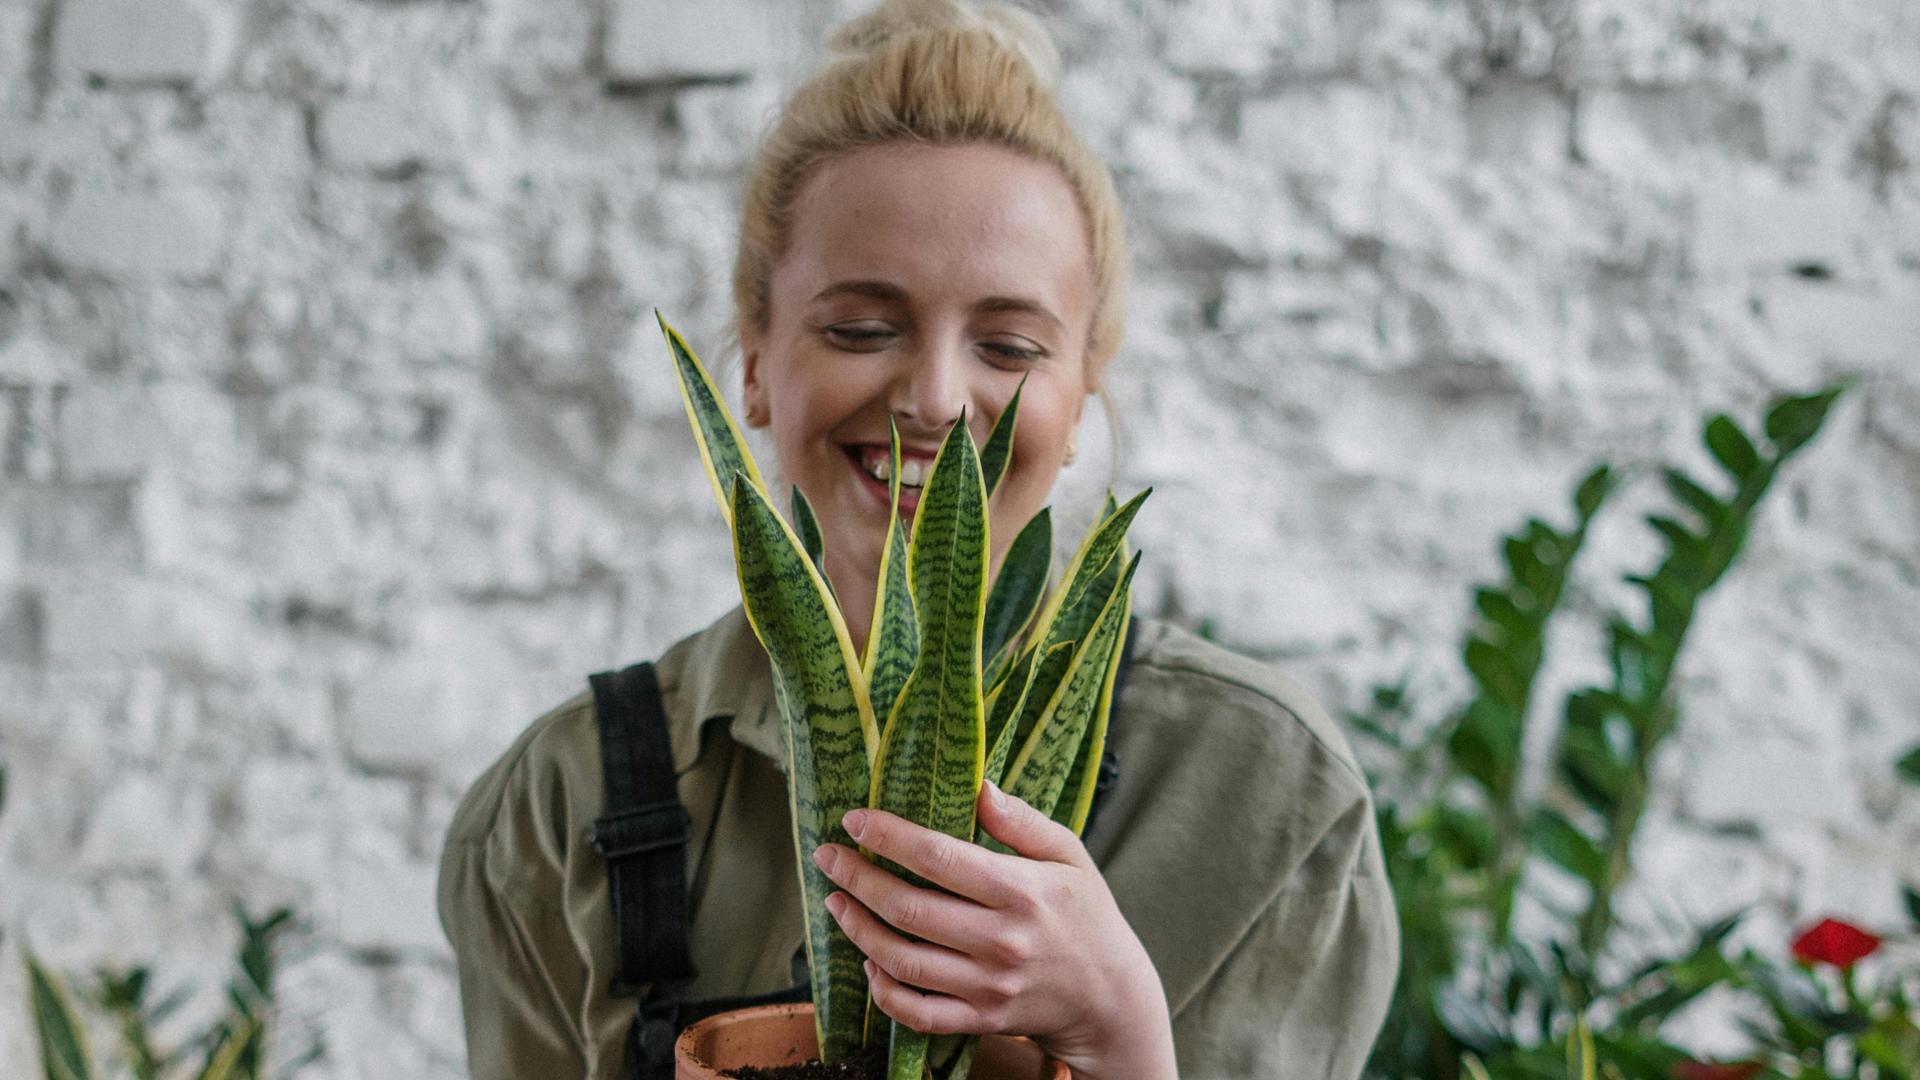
[(922, 231)]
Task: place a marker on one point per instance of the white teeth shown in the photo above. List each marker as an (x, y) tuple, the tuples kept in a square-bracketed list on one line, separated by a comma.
[(913, 471)]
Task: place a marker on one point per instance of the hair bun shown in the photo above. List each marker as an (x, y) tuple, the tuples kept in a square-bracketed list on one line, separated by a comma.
[(1011, 28)]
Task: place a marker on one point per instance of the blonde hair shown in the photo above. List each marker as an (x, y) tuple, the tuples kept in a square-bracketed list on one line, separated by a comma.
[(941, 72)]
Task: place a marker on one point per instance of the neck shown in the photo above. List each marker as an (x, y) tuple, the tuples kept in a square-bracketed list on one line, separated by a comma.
[(854, 586)]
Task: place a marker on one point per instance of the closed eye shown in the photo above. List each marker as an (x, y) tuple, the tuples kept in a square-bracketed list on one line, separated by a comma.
[(858, 338), (1018, 353)]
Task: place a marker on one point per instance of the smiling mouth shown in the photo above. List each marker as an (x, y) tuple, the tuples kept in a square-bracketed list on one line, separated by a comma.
[(877, 463), (874, 466)]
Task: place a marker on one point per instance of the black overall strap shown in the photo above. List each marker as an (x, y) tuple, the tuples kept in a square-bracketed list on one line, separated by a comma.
[(643, 837), (643, 834)]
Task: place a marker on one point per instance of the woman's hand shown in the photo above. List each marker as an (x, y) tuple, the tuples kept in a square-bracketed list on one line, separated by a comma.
[(1029, 944)]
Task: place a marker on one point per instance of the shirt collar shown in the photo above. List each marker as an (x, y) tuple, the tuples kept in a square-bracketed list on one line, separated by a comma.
[(722, 672)]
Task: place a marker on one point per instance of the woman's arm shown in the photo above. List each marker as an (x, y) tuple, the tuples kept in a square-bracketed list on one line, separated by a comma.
[(1305, 989), (1030, 943), (515, 1001)]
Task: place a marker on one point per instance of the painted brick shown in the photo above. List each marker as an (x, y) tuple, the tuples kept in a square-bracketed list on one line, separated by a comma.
[(1848, 326), (133, 41), (1518, 122), (725, 39), (137, 234), (380, 135), (147, 823), (1759, 223), (22, 628), (1244, 37), (389, 905)]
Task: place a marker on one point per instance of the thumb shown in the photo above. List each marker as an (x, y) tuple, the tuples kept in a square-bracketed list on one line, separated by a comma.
[(1026, 830)]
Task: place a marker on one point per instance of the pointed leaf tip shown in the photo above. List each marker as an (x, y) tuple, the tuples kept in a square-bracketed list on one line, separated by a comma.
[(1731, 447)]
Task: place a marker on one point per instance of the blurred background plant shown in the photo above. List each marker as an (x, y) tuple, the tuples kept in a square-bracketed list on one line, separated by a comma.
[(1469, 842), (233, 1047)]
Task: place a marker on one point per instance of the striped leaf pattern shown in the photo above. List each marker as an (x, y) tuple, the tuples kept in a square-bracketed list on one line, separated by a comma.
[(1076, 799), (1073, 608), (905, 726), (829, 729), (893, 638), (1017, 592), (933, 749), (807, 528), (722, 450), (1039, 773), (998, 451), (1007, 705)]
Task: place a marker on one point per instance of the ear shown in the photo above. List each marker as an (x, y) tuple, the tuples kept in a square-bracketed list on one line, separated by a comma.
[(756, 390)]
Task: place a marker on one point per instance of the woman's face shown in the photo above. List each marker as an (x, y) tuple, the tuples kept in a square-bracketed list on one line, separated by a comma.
[(919, 281)]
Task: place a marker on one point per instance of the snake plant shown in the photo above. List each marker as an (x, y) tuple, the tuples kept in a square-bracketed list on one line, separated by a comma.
[(958, 683)]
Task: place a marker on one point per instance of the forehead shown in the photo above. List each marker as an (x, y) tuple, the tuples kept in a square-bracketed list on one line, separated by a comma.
[(938, 220)]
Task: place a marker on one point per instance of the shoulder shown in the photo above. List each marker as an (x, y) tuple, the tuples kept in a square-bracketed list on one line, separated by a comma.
[(531, 800), (539, 799), (1203, 732), (1219, 700)]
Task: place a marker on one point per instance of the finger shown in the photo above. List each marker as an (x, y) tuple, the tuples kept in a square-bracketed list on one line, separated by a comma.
[(952, 921), (959, 866), (933, 1014), (919, 964), (1026, 830)]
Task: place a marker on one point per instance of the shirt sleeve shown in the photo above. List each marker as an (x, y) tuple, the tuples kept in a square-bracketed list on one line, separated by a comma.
[(1305, 990), (516, 972)]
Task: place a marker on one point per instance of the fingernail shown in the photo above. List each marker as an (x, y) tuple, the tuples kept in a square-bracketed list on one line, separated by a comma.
[(855, 823), (824, 857), (994, 795), (836, 904)]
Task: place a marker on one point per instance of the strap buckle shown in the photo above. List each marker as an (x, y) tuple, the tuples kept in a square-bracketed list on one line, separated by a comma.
[(644, 828)]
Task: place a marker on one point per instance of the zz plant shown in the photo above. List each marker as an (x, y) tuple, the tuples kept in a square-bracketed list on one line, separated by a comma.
[(1467, 842), (958, 682)]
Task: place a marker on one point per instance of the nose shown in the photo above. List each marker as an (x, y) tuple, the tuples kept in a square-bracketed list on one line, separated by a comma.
[(930, 389)]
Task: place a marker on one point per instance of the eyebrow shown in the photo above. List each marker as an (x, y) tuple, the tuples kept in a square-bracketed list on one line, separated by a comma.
[(884, 290)]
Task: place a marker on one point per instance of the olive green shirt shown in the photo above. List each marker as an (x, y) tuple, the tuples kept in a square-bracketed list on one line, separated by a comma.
[(1238, 842)]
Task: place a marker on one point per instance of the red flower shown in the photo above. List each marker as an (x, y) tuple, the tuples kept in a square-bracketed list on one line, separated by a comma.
[(1702, 1070), (1831, 941)]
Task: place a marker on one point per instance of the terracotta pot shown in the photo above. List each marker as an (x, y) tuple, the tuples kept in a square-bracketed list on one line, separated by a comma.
[(783, 1035)]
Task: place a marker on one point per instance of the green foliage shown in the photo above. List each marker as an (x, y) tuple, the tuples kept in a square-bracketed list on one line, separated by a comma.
[(1909, 766), (1464, 837), (234, 1047), (954, 679)]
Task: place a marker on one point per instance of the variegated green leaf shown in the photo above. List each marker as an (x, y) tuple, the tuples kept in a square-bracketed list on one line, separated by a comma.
[(933, 748), (829, 734), (807, 528), (722, 449), (1017, 592), (949, 1057), (1076, 799), (893, 637), (1074, 606), (998, 451), (1007, 704), (1039, 772), (63, 1042)]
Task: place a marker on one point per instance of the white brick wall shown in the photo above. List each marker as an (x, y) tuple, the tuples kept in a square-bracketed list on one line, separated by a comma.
[(336, 440)]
